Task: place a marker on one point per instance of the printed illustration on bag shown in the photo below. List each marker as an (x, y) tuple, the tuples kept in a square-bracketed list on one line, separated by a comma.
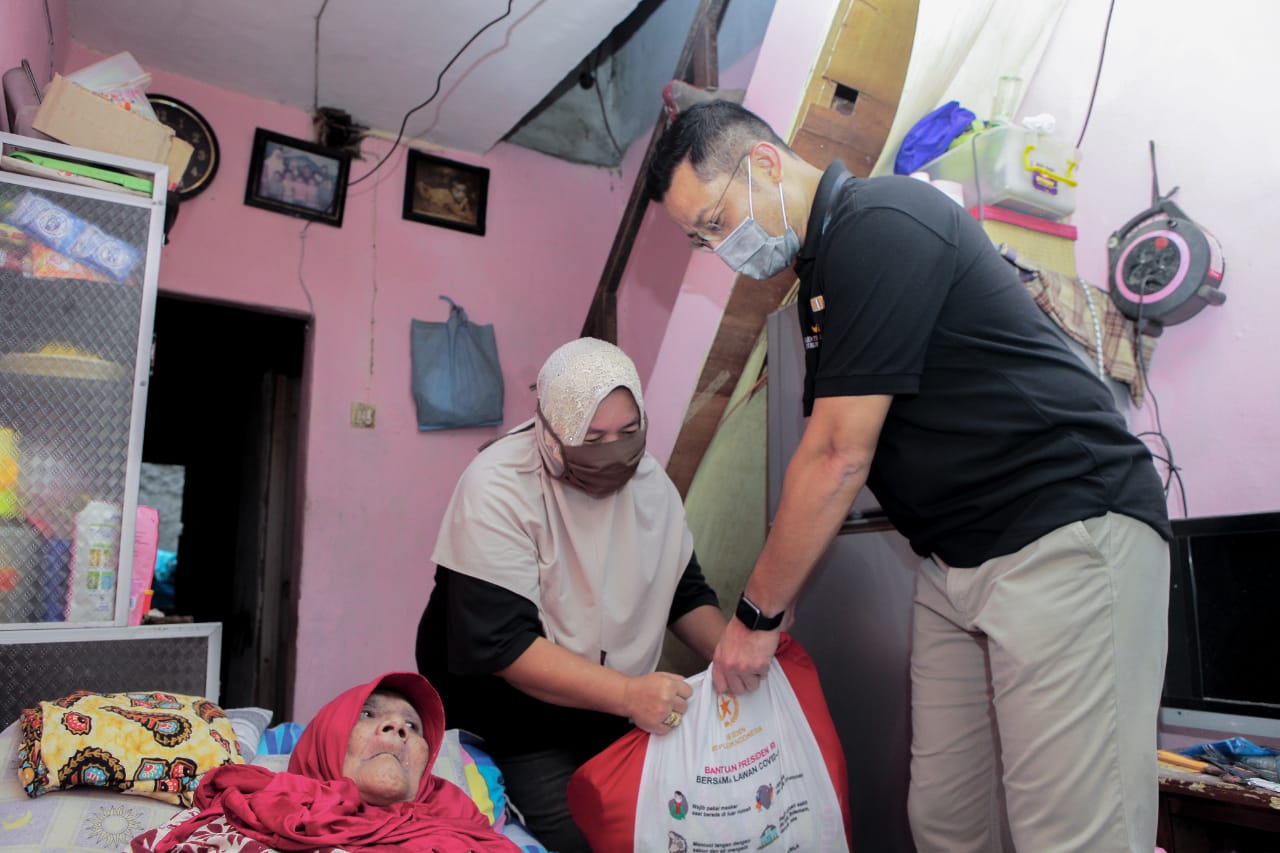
[(676, 843), (678, 806), (769, 836), (764, 797)]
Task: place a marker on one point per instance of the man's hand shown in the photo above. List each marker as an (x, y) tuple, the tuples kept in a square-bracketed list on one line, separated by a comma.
[(742, 658)]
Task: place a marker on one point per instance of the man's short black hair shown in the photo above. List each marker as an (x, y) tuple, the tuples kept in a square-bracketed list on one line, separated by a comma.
[(713, 136)]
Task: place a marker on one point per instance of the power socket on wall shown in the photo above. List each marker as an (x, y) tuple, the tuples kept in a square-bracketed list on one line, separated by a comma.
[(362, 415)]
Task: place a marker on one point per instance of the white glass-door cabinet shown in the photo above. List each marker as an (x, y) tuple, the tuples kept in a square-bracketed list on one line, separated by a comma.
[(79, 262)]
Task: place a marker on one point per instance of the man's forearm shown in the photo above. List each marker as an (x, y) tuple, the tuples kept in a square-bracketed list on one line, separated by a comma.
[(817, 492)]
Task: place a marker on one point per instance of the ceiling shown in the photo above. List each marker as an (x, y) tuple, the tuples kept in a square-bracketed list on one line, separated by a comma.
[(521, 79), (374, 66)]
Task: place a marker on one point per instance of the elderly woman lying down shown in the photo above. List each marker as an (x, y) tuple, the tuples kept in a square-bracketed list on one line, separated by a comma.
[(359, 779)]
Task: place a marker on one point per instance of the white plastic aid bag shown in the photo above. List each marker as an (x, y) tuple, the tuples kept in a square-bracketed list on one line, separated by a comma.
[(740, 773)]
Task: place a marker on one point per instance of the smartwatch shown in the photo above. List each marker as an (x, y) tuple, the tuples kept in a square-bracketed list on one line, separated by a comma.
[(748, 614)]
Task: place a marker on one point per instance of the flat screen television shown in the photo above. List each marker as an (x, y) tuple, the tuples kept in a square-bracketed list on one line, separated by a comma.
[(1224, 604)]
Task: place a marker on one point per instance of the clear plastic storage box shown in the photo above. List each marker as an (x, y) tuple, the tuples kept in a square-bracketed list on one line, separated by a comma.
[(1020, 169)]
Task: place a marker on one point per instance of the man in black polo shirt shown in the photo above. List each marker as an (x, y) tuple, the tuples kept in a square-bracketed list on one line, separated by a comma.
[(1039, 624)]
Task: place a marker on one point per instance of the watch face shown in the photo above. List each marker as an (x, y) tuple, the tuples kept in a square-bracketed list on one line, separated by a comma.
[(190, 126)]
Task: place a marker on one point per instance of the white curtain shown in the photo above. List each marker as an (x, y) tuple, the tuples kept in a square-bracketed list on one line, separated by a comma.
[(961, 48)]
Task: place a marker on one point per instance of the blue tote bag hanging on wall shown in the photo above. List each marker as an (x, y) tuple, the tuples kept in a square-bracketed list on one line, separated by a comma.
[(457, 381)]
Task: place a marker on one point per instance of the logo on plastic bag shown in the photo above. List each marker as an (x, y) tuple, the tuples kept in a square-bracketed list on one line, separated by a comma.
[(728, 705)]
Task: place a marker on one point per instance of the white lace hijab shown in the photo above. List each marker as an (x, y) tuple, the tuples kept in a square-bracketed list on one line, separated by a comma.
[(601, 571)]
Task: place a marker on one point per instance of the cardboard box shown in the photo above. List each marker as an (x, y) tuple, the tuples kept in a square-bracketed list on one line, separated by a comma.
[(179, 156), (72, 114)]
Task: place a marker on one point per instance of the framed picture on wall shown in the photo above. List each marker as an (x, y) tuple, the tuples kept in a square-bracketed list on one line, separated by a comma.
[(297, 177), (445, 192)]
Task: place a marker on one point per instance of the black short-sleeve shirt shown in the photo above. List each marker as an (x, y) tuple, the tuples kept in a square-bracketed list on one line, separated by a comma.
[(472, 628), (997, 433)]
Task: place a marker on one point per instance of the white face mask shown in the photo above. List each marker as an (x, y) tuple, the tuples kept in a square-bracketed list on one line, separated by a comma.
[(751, 251)]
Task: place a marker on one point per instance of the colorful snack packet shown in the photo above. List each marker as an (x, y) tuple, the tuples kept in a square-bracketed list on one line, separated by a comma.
[(46, 263), (70, 235)]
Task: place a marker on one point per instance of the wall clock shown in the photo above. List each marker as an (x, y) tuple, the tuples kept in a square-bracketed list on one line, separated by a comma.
[(192, 127)]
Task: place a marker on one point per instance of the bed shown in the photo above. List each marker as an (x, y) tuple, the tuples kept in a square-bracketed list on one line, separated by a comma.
[(91, 819)]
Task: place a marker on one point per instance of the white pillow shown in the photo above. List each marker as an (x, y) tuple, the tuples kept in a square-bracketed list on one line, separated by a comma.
[(273, 762), (249, 724)]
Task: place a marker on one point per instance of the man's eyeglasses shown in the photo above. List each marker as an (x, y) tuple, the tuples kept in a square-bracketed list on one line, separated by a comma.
[(701, 243)]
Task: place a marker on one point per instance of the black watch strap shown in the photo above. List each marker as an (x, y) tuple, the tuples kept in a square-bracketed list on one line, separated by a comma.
[(748, 614)]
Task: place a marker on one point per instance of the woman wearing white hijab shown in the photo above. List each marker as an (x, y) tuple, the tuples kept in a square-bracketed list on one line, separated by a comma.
[(563, 558)]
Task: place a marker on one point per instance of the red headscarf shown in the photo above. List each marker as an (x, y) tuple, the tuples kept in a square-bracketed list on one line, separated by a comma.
[(314, 805)]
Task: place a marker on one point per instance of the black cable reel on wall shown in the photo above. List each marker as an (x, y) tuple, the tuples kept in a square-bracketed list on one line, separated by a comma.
[(1164, 268)]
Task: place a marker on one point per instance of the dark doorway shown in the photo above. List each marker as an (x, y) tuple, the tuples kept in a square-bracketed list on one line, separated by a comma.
[(224, 405)]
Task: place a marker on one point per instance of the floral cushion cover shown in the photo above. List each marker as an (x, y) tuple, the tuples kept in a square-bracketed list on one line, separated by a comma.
[(151, 744)]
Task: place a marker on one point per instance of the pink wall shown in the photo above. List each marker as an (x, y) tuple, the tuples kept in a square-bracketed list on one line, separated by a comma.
[(373, 498), (1201, 86), (652, 279), (24, 34)]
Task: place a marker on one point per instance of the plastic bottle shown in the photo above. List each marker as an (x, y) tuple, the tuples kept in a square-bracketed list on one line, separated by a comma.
[(53, 490), (95, 556), (23, 549)]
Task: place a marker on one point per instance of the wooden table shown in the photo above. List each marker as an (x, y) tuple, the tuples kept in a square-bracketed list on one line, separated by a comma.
[(1202, 814)]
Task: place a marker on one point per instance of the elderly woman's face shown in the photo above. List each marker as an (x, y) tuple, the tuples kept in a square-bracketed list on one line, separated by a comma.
[(387, 752)]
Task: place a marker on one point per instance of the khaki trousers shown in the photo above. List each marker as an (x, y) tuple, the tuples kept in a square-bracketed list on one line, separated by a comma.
[(1036, 682)]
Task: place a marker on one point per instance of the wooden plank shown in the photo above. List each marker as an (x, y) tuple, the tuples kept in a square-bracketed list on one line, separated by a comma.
[(868, 56), (866, 128), (821, 150), (820, 90), (749, 304), (855, 138)]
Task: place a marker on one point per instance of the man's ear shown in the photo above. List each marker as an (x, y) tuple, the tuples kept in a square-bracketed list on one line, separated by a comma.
[(768, 160)]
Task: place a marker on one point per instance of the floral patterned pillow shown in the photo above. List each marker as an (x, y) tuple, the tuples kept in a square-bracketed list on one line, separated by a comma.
[(84, 820), (150, 744)]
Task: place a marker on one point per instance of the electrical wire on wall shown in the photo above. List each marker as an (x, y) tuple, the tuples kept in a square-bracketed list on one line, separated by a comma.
[(1102, 53), (48, 20), (315, 54), (302, 255), (373, 239), (373, 287), (1173, 472), (604, 113), (439, 79)]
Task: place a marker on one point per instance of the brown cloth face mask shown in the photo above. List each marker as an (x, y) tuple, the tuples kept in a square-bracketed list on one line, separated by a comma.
[(603, 468)]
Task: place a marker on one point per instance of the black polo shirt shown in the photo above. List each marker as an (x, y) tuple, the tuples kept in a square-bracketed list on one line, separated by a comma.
[(997, 433)]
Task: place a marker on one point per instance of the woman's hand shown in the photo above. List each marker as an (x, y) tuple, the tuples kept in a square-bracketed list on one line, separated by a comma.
[(656, 702)]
